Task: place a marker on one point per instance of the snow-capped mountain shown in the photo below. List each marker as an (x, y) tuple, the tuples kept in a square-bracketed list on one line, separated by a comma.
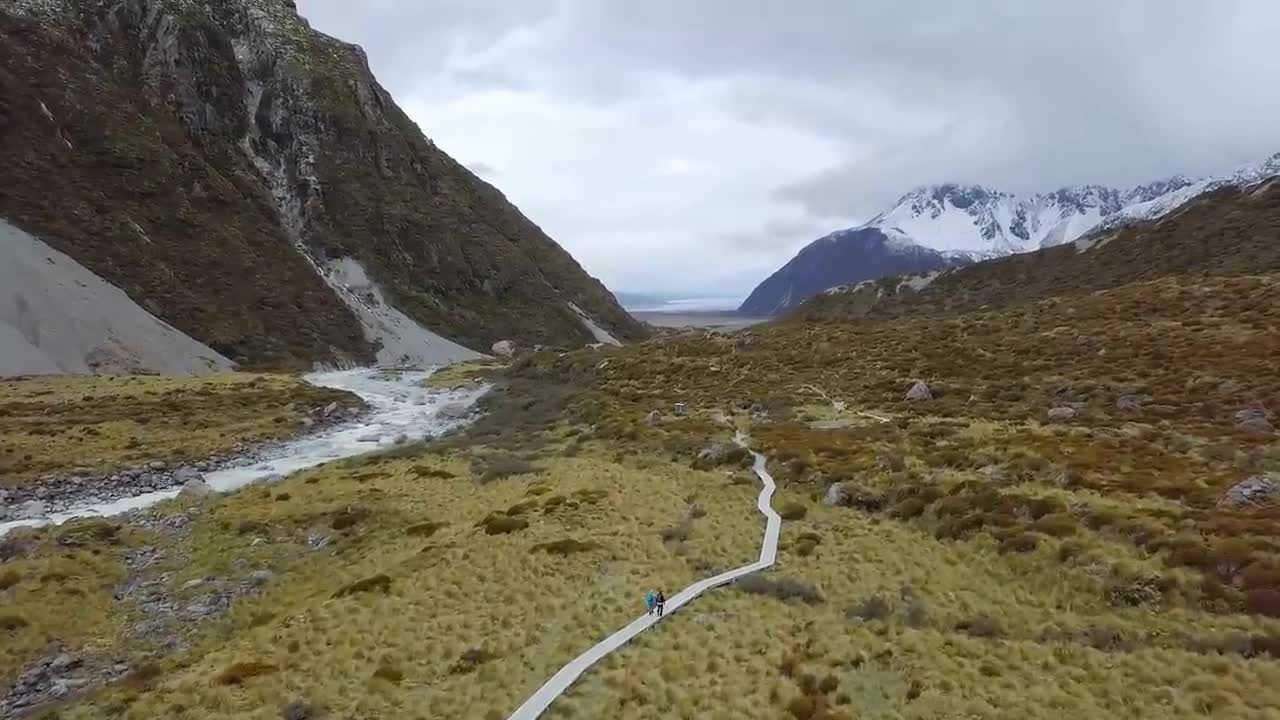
[(982, 222), (845, 256), (965, 223)]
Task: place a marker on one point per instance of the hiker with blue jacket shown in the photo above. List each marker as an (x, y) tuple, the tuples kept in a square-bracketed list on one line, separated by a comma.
[(650, 601)]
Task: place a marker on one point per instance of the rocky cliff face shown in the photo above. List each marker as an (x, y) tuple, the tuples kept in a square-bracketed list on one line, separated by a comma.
[(227, 167)]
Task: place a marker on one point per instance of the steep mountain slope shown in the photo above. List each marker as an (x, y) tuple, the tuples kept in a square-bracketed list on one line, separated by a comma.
[(1228, 232), (842, 257), (227, 167)]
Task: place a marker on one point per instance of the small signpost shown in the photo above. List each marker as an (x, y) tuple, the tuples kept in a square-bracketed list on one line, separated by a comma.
[(681, 409)]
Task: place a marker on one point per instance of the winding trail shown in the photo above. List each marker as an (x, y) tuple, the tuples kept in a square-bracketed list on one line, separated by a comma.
[(562, 680)]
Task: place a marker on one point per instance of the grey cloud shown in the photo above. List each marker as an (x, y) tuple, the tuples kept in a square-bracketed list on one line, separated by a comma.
[(720, 132)]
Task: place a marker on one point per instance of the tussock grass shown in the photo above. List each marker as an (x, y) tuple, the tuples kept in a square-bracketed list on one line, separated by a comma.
[(368, 623), (102, 423)]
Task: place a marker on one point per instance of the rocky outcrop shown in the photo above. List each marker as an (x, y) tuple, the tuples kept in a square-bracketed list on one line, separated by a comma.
[(222, 163), (919, 392), (1257, 491), (1254, 421)]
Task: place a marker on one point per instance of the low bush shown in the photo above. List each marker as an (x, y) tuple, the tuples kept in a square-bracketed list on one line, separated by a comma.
[(567, 546), (377, 583), (1263, 602), (238, 673), (875, 607), (503, 524), (348, 518), (9, 578), (12, 623), (1020, 543), (793, 511), (390, 672), (424, 529), (491, 468), (981, 626), (472, 659), (784, 589)]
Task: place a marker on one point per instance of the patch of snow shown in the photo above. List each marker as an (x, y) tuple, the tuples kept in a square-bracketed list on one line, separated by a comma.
[(919, 282), (600, 334), (57, 317), (402, 410), (404, 343)]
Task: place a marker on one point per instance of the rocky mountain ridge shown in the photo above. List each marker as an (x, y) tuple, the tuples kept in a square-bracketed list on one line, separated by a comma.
[(963, 224), (247, 180)]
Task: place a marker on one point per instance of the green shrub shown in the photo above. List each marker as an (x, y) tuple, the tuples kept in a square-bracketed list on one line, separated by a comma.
[(784, 589), (981, 626), (503, 524), (348, 518), (377, 583), (238, 673), (12, 623), (389, 672), (9, 578), (424, 529), (875, 607), (793, 511), (567, 546)]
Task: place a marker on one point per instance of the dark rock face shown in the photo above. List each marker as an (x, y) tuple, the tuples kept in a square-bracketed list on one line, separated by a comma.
[(210, 160), (842, 258)]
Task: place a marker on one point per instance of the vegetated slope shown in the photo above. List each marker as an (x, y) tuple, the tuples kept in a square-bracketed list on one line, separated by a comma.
[(848, 256), (187, 154), (1229, 232), (1065, 493)]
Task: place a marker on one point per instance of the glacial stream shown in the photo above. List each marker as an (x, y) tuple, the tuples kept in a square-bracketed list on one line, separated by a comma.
[(401, 410)]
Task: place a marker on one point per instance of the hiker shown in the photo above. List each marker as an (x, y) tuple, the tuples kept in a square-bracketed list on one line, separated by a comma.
[(662, 601), (650, 601)]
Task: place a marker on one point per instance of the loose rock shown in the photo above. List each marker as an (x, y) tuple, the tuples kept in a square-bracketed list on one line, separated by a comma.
[(836, 496), (504, 348), (196, 489), (919, 392), (1254, 421), (1062, 413), (1131, 403), (1255, 492)]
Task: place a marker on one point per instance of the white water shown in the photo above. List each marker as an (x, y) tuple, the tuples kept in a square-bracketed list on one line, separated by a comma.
[(401, 409)]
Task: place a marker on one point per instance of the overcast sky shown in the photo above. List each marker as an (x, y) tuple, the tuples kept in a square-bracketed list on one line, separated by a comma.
[(695, 145)]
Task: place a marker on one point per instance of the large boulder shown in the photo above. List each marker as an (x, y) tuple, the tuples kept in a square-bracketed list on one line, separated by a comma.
[(1257, 491), (1062, 413), (1132, 403), (31, 510), (504, 348), (836, 496), (186, 474), (454, 411), (196, 490), (1255, 421), (919, 392)]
